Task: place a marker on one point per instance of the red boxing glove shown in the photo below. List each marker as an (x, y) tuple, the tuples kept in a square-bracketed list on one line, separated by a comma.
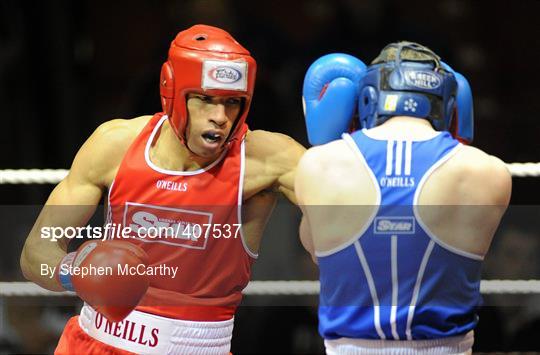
[(97, 272)]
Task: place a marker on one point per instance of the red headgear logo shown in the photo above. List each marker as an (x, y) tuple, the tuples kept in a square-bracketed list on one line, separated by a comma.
[(225, 75)]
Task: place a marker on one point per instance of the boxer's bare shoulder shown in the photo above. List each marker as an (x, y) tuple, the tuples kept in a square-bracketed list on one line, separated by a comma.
[(333, 174), (320, 163), (100, 156), (476, 177), (274, 147), (486, 173), (330, 155), (271, 160)]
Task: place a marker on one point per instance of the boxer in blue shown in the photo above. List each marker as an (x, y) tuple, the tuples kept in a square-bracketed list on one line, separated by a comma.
[(399, 214)]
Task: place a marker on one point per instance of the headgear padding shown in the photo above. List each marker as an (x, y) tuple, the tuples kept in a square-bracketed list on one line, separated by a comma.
[(417, 86), (206, 60)]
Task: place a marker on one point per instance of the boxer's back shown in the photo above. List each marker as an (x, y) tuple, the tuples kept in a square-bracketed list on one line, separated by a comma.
[(465, 188), (413, 271)]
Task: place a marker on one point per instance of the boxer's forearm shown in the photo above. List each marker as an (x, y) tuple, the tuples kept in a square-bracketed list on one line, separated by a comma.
[(286, 186), (39, 259), (71, 204)]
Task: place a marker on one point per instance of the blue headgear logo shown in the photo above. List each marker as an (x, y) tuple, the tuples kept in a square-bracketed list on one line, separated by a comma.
[(411, 88), (422, 79)]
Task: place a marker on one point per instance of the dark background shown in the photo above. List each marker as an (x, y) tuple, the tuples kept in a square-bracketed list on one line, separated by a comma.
[(68, 66)]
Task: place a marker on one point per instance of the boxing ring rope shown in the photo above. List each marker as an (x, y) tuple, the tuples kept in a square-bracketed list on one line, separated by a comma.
[(53, 176), (282, 288), (32, 176), (268, 288)]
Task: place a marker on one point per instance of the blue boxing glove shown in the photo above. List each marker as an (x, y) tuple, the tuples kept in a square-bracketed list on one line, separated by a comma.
[(329, 96), (464, 130)]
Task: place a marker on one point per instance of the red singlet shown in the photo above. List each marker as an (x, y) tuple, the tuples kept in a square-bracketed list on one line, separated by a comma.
[(196, 216)]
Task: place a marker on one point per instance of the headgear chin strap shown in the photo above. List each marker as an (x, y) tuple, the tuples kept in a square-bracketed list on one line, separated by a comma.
[(206, 60), (423, 88)]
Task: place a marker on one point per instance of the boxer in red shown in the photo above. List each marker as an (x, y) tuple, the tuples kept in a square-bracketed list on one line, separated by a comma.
[(193, 170)]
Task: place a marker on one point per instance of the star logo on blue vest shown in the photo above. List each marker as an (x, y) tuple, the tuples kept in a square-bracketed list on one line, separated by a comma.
[(410, 105)]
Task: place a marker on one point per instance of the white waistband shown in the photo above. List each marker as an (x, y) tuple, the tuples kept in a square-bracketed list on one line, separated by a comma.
[(145, 333), (461, 344)]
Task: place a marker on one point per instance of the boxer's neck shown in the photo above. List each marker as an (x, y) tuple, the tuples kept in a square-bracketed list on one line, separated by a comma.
[(168, 152), (405, 128)]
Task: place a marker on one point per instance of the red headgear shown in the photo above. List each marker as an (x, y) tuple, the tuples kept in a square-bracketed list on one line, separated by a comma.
[(206, 60)]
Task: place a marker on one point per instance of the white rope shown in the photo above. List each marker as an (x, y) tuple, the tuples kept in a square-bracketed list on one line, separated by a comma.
[(27, 289), (54, 176), (524, 169), (32, 176), (510, 286), (277, 288)]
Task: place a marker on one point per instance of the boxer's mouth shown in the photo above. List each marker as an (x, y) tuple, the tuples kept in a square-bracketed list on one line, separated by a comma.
[(212, 136)]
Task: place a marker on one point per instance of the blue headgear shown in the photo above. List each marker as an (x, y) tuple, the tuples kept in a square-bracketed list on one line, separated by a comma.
[(423, 89), (462, 125), (336, 84)]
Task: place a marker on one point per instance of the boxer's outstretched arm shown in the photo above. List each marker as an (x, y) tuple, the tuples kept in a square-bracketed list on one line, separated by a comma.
[(293, 152), (273, 157), (73, 201)]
